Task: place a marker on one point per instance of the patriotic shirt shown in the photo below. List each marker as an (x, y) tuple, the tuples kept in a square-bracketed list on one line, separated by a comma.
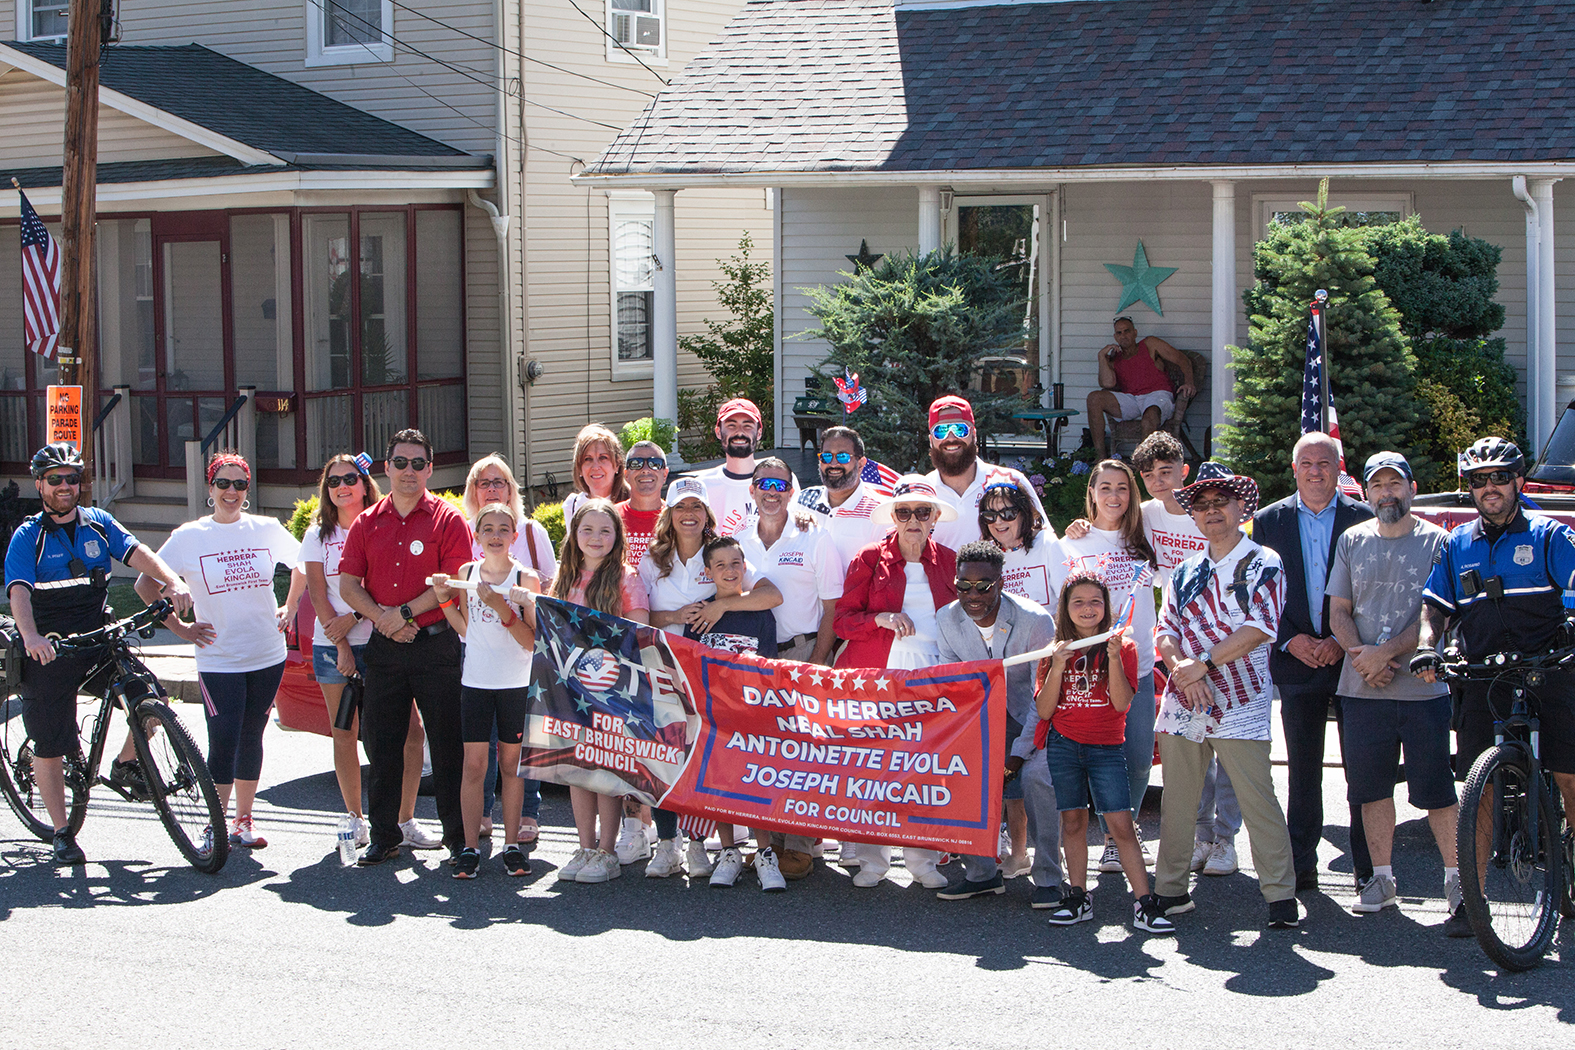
[(639, 528), (850, 525), (1128, 577), (1083, 713), (1205, 603), (1174, 537)]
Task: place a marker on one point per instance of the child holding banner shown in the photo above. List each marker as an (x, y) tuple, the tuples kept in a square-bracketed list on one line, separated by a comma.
[(1084, 725)]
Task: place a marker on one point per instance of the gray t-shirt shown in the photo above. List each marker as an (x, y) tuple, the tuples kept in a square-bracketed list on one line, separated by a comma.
[(1382, 578)]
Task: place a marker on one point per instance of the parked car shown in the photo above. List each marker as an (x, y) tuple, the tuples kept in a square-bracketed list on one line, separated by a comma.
[(299, 702), (1550, 484)]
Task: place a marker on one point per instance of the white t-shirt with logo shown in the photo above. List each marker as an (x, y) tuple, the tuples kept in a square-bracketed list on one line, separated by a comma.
[(805, 566), (229, 569), (1102, 552), (326, 553), (1174, 537), (1027, 573), (958, 534)]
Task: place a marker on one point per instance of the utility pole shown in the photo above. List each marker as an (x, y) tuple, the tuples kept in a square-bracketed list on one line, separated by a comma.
[(78, 206)]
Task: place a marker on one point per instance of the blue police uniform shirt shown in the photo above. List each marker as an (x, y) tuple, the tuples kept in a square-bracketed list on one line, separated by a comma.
[(1534, 558), (39, 558)]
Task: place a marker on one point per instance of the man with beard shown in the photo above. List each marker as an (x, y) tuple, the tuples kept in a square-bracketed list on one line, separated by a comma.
[(1375, 608), (728, 484), (844, 501), (960, 475), (57, 578)]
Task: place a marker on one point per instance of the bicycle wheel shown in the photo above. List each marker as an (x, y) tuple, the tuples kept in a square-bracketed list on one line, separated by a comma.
[(182, 790), (16, 776), (1514, 911), (1567, 897)]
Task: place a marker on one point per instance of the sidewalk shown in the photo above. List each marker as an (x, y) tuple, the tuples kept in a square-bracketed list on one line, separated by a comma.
[(174, 663)]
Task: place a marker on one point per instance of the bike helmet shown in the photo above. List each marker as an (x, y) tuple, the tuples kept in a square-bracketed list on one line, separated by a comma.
[(1491, 452), (55, 454)]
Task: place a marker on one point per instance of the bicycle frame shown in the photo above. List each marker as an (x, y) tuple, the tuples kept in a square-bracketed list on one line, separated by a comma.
[(118, 667)]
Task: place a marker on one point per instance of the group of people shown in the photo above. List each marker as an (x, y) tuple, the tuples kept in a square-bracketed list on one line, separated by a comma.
[(1195, 597)]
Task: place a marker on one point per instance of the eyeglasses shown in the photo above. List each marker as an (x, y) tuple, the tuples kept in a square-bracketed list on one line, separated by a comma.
[(772, 485), (238, 484), (1005, 514), (645, 463), (400, 463), (1492, 477), (63, 479), (976, 586), (916, 513), (1209, 504), (837, 457), (333, 481), (942, 431), (491, 483)]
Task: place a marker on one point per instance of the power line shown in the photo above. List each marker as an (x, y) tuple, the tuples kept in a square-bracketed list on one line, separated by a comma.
[(616, 42), (565, 113)]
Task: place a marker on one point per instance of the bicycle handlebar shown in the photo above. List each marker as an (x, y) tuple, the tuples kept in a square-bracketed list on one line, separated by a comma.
[(118, 630), (1455, 667)]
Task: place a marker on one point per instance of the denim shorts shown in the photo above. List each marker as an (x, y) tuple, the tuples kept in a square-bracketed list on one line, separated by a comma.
[(1078, 769), (325, 663)]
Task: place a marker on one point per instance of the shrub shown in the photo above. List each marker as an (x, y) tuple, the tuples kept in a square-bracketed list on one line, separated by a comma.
[(660, 431), (301, 518), (550, 516), (739, 354)]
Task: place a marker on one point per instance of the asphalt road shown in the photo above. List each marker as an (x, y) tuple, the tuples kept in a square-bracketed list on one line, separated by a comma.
[(286, 948)]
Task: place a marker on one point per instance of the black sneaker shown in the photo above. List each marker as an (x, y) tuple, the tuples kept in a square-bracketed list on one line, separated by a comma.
[(1307, 881), (1457, 925), (1284, 915), (962, 889), (1077, 906), (467, 863), (66, 849), (514, 860), (1180, 903), (377, 853), (1148, 915), (127, 776), (1045, 898)]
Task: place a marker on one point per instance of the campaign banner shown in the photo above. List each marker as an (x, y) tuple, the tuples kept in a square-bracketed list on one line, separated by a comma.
[(912, 758)]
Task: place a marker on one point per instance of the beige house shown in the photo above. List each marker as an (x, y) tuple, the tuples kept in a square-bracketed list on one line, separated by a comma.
[(358, 216)]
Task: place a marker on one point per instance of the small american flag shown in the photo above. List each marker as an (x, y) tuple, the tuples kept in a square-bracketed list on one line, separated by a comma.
[(849, 392), (40, 284), (1312, 399), (879, 475)]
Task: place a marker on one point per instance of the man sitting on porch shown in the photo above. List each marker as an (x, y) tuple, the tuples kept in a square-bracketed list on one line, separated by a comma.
[(1133, 383)]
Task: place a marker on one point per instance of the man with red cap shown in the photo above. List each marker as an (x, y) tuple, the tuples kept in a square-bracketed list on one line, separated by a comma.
[(960, 476), (728, 484)]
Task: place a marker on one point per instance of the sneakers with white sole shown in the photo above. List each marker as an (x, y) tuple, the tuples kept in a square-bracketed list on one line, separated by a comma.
[(1222, 859), (242, 833), (1147, 914), (874, 863), (1077, 906), (1377, 894), (1110, 860), (699, 863), (601, 867), (848, 855), (1013, 867), (363, 832), (769, 871), (728, 867), (577, 861), (417, 837), (667, 860), (1200, 855), (632, 843)]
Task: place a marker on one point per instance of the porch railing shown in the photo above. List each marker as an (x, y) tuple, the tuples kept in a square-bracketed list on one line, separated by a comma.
[(112, 455), (236, 429)]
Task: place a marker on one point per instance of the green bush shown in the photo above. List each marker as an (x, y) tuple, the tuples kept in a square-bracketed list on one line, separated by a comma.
[(550, 516), (301, 518), (1061, 483), (739, 354), (660, 431)]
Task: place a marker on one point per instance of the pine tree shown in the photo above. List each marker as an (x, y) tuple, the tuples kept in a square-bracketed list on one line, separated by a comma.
[(739, 354), (915, 328), (1371, 374)]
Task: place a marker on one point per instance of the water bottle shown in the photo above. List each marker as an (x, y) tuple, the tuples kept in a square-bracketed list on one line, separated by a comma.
[(346, 840), (1197, 726)]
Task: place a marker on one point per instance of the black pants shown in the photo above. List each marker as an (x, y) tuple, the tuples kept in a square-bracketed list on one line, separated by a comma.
[(1304, 714), (426, 671)]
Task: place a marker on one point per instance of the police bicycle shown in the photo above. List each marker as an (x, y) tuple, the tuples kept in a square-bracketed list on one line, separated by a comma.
[(174, 777), (1516, 877)]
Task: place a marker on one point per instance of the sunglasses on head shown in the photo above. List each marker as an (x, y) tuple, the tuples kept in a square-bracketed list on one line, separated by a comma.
[(975, 586), (942, 431), (238, 484), (916, 513), (645, 463), (401, 462), (837, 457), (1492, 477), (1004, 514), (772, 485), (63, 479), (333, 481)]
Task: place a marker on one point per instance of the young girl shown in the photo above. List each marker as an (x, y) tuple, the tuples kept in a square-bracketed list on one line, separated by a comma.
[(495, 679), (1085, 703)]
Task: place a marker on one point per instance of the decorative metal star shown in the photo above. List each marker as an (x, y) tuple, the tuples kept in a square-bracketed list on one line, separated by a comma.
[(1140, 281), (866, 258)]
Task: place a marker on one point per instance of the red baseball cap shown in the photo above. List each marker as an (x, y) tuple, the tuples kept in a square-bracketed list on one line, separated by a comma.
[(950, 407), (737, 405)]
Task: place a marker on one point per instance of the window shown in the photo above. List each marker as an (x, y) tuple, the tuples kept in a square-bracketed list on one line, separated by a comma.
[(636, 27), (345, 32), (632, 225), (1373, 210), (41, 19)]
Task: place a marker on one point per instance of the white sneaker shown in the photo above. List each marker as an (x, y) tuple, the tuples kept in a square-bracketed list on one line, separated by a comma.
[(667, 861), (1003, 849), (1200, 855), (1110, 860), (1013, 868), (728, 867), (577, 862), (874, 863), (363, 833), (848, 854), (632, 843), (1222, 859), (769, 872), (417, 837), (602, 867), (699, 860)]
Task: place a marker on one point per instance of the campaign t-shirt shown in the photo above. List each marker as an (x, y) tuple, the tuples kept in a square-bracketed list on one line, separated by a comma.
[(1174, 537), (805, 566), (740, 631), (958, 534), (229, 568), (1382, 579), (639, 526), (327, 553), (1084, 712), (1104, 553), (1026, 573)]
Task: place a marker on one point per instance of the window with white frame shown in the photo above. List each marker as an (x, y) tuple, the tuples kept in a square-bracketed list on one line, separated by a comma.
[(1365, 210), (346, 32), (41, 19), (636, 28), (632, 231)]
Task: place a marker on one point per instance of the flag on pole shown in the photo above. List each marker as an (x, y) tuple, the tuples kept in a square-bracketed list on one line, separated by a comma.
[(1317, 404), (40, 284), (880, 475)]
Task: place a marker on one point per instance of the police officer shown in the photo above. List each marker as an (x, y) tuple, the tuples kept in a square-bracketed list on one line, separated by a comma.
[(57, 576)]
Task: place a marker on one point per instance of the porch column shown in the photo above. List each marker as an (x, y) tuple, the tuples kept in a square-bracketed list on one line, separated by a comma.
[(929, 219), (1223, 330), (664, 313), (1547, 319)]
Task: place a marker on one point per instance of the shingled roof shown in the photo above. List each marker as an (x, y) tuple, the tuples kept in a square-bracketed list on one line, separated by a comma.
[(816, 86)]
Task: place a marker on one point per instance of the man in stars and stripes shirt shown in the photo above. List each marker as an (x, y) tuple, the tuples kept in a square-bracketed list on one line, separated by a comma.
[(40, 284)]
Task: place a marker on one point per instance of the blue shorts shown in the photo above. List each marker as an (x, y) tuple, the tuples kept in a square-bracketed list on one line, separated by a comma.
[(1375, 731), (325, 663), (1076, 770)]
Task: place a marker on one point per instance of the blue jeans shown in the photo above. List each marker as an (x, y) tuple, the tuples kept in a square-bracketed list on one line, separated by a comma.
[(1044, 828), (1078, 770), (1139, 746)]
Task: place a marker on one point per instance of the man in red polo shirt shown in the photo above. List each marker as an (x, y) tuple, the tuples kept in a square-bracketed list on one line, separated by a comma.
[(413, 654)]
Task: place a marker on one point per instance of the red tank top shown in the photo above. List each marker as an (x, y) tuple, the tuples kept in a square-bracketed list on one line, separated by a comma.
[(1138, 374)]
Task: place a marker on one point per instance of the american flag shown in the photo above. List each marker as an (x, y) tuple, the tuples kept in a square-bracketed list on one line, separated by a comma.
[(40, 284), (880, 475), (597, 671), (849, 392), (1312, 399)]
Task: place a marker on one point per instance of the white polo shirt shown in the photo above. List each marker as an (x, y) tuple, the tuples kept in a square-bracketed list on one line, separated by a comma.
[(688, 582), (805, 566), (849, 525), (958, 534)]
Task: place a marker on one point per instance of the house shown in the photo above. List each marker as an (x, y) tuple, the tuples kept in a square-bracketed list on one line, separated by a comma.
[(1068, 133), (360, 212)]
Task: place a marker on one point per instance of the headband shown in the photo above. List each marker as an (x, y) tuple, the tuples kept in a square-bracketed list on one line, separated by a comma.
[(227, 459)]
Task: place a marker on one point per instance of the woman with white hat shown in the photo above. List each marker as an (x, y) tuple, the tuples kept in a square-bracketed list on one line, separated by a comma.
[(887, 615)]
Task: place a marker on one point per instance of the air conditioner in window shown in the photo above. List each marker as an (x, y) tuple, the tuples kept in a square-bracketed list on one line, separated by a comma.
[(633, 30)]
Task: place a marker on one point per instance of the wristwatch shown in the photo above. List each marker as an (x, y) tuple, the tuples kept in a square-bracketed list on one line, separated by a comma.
[(357, 615), (1208, 660), (404, 610)]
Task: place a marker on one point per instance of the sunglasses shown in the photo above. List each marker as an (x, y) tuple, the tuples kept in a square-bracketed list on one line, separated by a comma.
[(1080, 672), (916, 513), (837, 457), (1492, 477), (975, 586), (333, 481), (1004, 514), (645, 463), (238, 484), (1209, 504), (63, 479), (942, 431), (772, 485), (417, 464)]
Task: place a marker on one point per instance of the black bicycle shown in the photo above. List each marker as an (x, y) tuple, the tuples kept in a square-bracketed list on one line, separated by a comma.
[(1516, 879), (173, 775)]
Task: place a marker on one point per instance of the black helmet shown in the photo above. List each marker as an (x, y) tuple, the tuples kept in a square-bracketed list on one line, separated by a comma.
[(55, 454), (1491, 452)]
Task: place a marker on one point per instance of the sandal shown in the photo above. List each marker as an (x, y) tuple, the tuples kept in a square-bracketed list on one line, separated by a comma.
[(528, 831)]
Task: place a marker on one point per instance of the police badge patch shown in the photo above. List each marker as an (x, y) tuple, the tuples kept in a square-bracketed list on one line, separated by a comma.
[(91, 548), (1523, 554)]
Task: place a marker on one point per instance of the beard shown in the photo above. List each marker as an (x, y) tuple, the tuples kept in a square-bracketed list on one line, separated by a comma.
[(739, 446), (1391, 511), (951, 464), (842, 479), (62, 501)]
